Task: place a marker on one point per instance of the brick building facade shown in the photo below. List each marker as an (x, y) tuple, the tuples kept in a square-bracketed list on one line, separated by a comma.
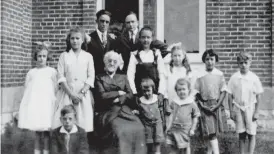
[(231, 26)]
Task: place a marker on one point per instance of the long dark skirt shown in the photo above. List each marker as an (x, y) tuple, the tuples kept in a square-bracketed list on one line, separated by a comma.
[(123, 133), (212, 123)]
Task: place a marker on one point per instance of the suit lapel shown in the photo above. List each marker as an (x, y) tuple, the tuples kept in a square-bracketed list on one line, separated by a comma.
[(97, 39), (73, 137), (108, 43), (125, 40), (62, 139)]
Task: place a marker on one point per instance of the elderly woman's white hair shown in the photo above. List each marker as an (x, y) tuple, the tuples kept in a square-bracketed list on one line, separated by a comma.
[(114, 55)]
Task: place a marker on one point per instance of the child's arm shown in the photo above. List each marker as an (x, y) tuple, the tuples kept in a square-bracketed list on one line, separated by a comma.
[(230, 99), (258, 89), (222, 95), (27, 79), (169, 122), (63, 81), (195, 114), (170, 117), (194, 126), (220, 102), (230, 104), (90, 75), (131, 73), (75, 98), (163, 47), (256, 111), (161, 68), (200, 101), (89, 83)]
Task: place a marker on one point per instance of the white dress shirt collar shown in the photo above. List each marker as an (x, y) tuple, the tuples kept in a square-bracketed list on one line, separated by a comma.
[(100, 34), (73, 130)]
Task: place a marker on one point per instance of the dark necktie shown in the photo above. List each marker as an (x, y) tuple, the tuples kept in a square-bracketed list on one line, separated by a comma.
[(132, 37)]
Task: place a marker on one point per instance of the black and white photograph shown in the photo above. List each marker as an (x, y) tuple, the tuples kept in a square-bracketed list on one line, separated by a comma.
[(137, 76)]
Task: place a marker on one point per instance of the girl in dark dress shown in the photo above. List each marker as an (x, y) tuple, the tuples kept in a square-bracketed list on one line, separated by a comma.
[(115, 121)]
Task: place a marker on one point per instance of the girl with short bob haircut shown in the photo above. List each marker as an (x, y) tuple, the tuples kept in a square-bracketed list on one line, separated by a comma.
[(211, 91), (40, 87)]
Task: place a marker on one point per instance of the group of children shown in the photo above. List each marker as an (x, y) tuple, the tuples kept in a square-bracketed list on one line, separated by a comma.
[(171, 102)]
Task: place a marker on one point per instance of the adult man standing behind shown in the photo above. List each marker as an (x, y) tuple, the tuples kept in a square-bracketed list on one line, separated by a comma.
[(129, 40), (100, 40)]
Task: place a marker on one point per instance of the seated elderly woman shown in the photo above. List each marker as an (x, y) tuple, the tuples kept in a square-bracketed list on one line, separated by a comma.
[(115, 120)]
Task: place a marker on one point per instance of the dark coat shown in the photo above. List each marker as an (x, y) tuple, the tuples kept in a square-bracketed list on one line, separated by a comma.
[(115, 122), (124, 46), (107, 90), (97, 50), (77, 144)]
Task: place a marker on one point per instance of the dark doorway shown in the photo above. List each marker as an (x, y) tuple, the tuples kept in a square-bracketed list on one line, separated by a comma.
[(119, 9)]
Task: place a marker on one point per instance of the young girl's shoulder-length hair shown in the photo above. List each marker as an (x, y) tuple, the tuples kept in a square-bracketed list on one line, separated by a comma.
[(45, 45), (77, 30), (185, 62)]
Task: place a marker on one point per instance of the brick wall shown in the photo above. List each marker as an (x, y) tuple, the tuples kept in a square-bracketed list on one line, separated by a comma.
[(52, 20), (233, 25), (150, 13), (272, 20), (16, 41)]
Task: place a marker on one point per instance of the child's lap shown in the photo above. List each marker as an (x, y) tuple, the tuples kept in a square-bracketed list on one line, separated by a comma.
[(154, 133)]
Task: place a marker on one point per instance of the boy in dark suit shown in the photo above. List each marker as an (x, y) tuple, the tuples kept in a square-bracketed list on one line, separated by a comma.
[(100, 40), (69, 138)]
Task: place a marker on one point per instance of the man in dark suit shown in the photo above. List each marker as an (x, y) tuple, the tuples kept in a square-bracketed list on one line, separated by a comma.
[(100, 40), (129, 40)]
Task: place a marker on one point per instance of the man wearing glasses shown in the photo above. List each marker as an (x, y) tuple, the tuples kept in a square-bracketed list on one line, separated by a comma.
[(100, 40)]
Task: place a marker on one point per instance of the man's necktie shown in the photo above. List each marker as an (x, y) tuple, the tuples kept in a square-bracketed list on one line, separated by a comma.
[(132, 37), (104, 40)]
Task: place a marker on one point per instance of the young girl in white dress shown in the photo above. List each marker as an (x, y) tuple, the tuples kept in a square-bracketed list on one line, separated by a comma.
[(177, 67), (39, 94), (75, 78)]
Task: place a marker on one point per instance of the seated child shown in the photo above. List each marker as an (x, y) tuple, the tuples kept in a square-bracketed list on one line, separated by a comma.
[(69, 138), (183, 120), (149, 110), (244, 88)]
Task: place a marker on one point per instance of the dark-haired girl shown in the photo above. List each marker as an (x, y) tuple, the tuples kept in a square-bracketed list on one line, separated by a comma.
[(211, 90), (76, 77)]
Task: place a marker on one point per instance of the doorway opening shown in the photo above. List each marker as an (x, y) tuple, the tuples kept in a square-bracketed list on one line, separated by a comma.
[(119, 9)]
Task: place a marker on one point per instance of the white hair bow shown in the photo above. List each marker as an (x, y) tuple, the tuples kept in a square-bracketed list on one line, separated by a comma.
[(44, 44), (174, 45)]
